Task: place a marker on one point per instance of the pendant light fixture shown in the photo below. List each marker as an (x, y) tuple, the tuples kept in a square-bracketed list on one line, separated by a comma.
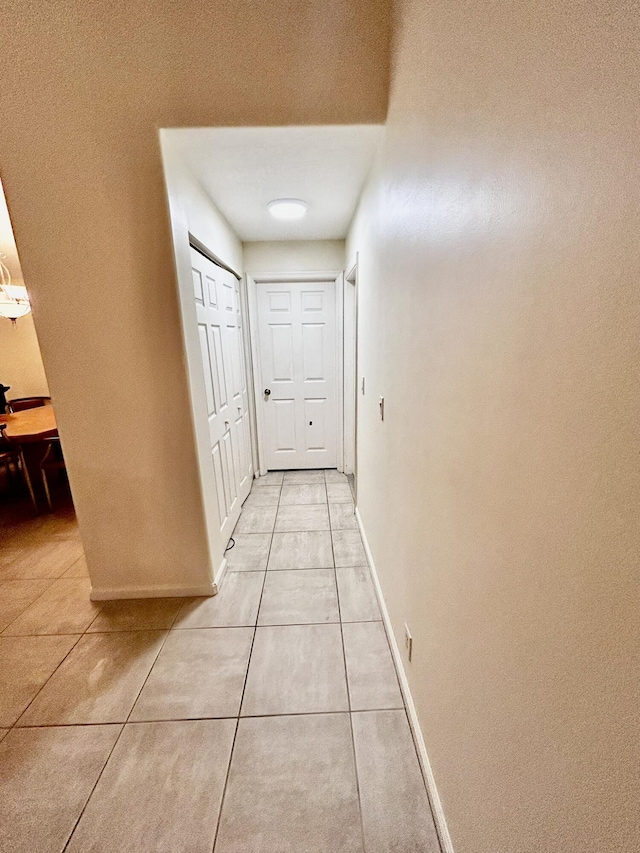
[(14, 299)]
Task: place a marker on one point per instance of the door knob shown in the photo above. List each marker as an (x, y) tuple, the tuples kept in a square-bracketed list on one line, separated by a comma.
[(267, 391)]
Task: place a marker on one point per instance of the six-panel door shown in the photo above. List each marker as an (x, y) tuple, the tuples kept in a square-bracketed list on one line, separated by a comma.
[(297, 346), (217, 300)]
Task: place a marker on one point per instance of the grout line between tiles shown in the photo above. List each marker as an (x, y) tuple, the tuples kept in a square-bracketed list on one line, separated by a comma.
[(346, 678), (296, 624), (117, 740), (307, 530), (37, 598), (194, 719), (226, 776), (100, 609), (35, 696), (305, 569), (86, 802), (70, 725), (146, 678), (244, 685), (301, 503)]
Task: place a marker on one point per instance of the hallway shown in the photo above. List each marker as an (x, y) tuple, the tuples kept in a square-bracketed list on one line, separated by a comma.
[(267, 718)]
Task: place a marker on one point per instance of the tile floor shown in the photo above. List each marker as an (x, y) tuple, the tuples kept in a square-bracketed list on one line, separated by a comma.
[(267, 719)]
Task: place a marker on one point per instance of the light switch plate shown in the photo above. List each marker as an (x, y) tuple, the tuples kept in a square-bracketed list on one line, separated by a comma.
[(408, 641)]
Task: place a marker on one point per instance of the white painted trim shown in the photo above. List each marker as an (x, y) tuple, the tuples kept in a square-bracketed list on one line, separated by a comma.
[(253, 280), (356, 368), (249, 363), (350, 364), (114, 592), (252, 305), (421, 749), (222, 572), (339, 297), (275, 277)]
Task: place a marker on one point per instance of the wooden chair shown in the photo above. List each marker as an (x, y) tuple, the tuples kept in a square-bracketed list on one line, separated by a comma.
[(8, 454), (21, 403), (11, 455), (53, 460)]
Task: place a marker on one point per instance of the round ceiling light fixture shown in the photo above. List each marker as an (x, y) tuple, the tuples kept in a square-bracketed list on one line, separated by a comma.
[(287, 208)]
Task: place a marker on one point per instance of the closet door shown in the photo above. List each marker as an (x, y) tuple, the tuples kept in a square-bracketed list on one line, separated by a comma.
[(217, 298)]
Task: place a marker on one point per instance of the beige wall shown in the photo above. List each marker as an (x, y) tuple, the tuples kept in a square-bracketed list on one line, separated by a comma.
[(20, 360), (294, 256), (499, 317), (84, 91)]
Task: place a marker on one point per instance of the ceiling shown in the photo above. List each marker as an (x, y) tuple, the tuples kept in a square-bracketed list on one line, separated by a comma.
[(243, 169)]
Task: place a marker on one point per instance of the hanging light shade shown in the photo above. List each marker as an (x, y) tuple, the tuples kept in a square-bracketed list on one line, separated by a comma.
[(14, 299)]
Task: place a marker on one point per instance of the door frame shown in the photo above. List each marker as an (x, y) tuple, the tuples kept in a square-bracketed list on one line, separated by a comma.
[(351, 342), (253, 281)]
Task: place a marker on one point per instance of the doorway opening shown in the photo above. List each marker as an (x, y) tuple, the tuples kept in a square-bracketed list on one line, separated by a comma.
[(32, 472), (272, 373), (39, 538)]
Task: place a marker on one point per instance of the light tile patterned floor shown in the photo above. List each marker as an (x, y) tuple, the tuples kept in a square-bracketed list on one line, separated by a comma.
[(267, 719)]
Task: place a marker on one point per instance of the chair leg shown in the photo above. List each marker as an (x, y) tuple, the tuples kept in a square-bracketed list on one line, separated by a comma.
[(46, 489), (27, 479)]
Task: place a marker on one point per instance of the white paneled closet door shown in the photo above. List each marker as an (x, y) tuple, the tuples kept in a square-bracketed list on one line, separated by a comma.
[(297, 346), (217, 298)]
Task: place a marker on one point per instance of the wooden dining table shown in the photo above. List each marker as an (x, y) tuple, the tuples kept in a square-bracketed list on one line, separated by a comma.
[(31, 425), (26, 429)]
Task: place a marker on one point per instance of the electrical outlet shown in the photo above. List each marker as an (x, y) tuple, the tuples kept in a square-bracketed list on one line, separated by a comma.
[(381, 404), (408, 641)]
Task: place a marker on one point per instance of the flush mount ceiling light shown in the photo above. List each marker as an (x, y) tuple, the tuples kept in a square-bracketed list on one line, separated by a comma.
[(287, 208)]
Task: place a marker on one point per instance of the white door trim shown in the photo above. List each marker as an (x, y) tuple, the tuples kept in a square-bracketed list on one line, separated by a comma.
[(249, 360), (252, 293), (350, 336), (340, 367)]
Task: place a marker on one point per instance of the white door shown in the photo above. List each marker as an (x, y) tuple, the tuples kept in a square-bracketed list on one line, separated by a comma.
[(297, 346), (217, 299)]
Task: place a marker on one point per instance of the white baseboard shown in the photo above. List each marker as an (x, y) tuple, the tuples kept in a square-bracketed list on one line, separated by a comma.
[(114, 592), (222, 571), (423, 758)]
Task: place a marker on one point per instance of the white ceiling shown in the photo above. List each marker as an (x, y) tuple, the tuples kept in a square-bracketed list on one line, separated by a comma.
[(243, 169)]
